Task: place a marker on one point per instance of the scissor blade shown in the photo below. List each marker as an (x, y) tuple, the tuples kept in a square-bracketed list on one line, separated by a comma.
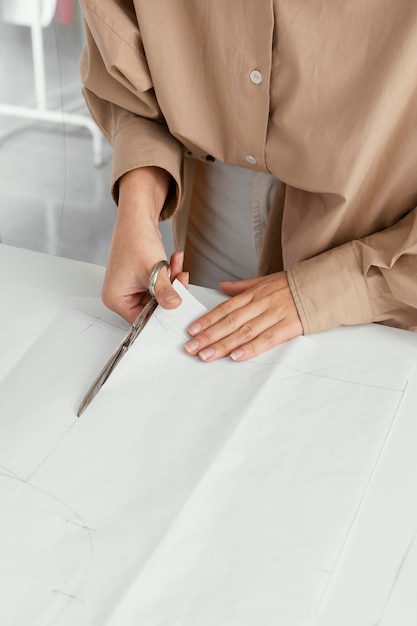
[(118, 354)]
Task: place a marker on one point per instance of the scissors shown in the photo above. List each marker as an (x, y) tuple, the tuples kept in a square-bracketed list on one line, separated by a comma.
[(127, 342)]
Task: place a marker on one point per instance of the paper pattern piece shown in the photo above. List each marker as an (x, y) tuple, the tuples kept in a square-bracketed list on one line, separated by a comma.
[(188, 493)]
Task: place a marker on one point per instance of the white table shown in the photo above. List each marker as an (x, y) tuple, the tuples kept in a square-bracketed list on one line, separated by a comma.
[(388, 518)]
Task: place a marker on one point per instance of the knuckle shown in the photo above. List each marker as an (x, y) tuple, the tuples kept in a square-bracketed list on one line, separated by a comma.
[(206, 321), (272, 298), (222, 348), (205, 338), (230, 321), (269, 338), (163, 291), (224, 308), (246, 331)]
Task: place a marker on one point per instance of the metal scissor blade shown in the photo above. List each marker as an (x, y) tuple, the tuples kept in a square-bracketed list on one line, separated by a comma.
[(118, 354)]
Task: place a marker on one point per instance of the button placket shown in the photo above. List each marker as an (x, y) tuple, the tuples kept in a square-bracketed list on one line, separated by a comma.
[(256, 78)]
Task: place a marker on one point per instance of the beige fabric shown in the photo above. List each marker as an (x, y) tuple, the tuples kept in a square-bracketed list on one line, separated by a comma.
[(323, 95)]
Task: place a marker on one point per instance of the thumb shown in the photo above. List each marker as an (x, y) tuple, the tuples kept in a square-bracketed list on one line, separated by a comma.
[(165, 294)]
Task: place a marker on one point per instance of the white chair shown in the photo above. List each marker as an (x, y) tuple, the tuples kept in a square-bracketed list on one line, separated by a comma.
[(37, 14)]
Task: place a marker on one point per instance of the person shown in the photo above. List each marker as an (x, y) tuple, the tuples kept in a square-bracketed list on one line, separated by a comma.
[(301, 117)]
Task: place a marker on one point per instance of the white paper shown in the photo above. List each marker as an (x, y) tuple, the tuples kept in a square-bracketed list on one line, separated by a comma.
[(188, 493), (25, 314), (401, 604)]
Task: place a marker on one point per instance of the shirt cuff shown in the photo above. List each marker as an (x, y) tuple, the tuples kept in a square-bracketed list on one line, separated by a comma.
[(140, 143), (329, 290)]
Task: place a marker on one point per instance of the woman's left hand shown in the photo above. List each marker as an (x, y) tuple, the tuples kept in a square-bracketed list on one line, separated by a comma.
[(260, 315)]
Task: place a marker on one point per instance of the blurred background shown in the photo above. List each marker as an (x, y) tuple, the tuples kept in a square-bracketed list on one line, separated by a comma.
[(55, 166)]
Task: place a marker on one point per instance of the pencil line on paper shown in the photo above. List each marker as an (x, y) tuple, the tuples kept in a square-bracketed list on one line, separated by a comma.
[(80, 523), (342, 380), (396, 577), (169, 329), (9, 473), (361, 501), (83, 526), (54, 447), (68, 595), (90, 325), (100, 319)]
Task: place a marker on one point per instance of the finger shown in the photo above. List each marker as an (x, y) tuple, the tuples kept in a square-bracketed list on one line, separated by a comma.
[(273, 289), (244, 335), (253, 338), (176, 264), (165, 294), (275, 335), (233, 288), (130, 306), (241, 320), (234, 329), (184, 279), (224, 311)]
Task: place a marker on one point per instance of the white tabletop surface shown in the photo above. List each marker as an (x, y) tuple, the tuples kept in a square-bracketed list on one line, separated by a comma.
[(389, 512)]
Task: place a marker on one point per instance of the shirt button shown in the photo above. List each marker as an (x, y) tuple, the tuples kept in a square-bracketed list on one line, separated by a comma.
[(250, 159), (256, 77)]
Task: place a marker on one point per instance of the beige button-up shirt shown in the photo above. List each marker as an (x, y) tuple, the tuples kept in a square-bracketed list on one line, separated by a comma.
[(321, 94)]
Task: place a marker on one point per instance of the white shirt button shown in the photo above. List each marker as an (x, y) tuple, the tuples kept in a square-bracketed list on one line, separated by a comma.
[(256, 77), (250, 159)]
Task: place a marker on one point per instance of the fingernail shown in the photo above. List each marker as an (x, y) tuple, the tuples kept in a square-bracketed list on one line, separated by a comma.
[(192, 346), (181, 257), (206, 354), (187, 279), (236, 355), (170, 297), (194, 329)]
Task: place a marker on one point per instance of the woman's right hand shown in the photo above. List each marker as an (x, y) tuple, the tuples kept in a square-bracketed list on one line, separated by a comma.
[(137, 247)]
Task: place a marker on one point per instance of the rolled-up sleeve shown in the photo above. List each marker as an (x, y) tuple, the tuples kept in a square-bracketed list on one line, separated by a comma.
[(119, 93), (372, 279)]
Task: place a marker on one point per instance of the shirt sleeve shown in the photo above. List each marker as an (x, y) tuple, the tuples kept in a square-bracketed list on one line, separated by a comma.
[(120, 96), (368, 280)]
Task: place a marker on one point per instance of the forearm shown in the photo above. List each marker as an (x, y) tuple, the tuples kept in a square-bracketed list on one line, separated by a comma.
[(136, 237), (142, 193)]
